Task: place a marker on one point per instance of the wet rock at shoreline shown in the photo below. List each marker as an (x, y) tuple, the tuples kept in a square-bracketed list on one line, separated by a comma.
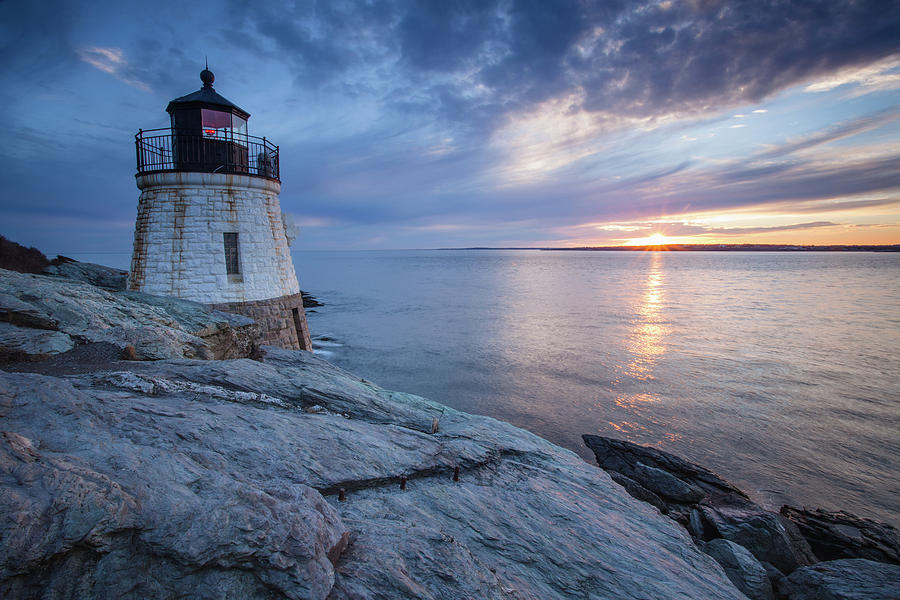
[(309, 301), (845, 579), (760, 550), (741, 567), (707, 505), (835, 535)]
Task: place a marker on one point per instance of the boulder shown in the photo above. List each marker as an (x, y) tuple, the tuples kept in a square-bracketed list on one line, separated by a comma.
[(763, 533), (24, 314), (844, 579), (228, 335), (667, 485), (20, 343), (310, 301), (742, 568), (104, 277), (707, 505), (638, 491), (624, 457), (157, 327), (207, 479), (835, 535)]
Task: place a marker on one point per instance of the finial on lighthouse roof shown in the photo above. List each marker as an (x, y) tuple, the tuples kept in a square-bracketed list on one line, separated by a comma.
[(207, 77)]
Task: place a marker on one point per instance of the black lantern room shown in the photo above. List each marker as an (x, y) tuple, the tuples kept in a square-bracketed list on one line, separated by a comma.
[(208, 134)]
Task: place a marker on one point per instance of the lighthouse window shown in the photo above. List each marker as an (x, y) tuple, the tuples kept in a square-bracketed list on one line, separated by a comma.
[(216, 124), (239, 129), (232, 260)]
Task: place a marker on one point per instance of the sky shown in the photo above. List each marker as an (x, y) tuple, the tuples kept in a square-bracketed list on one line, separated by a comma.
[(431, 124)]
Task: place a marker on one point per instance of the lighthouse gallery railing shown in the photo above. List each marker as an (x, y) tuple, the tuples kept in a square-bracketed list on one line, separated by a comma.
[(175, 150)]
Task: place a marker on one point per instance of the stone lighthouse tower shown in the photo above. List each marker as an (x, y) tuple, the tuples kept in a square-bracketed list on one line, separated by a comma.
[(209, 225)]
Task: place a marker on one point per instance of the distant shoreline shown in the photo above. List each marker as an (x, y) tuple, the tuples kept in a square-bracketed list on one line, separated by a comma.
[(711, 248)]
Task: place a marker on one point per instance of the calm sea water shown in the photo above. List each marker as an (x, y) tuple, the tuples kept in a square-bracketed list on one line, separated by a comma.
[(780, 371)]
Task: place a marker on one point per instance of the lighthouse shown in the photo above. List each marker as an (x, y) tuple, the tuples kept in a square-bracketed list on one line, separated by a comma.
[(209, 223)]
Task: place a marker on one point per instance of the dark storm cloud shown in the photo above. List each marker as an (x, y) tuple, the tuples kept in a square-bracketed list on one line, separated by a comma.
[(477, 61)]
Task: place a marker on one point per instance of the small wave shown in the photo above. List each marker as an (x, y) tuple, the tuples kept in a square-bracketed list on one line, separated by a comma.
[(326, 344)]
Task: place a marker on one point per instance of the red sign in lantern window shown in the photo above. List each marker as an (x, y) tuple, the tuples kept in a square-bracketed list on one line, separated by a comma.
[(216, 124)]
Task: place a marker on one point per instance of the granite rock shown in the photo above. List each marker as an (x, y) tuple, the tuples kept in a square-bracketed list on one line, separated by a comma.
[(844, 579), (704, 503), (638, 491), (667, 485), (157, 327), (835, 535), (21, 343), (766, 534), (107, 278), (208, 478), (742, 568)]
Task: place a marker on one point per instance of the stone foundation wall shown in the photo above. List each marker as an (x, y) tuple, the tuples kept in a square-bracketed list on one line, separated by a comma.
[(282, 320)]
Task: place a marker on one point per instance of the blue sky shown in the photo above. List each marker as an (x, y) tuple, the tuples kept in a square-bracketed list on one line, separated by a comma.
[(449, 124)]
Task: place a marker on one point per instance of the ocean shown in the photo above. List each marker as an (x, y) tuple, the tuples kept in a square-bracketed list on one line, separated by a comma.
[(778, 370)]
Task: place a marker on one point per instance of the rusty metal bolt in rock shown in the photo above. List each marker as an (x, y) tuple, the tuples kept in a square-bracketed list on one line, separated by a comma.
[(342, 495), (456, 473), (403, 483), (129, 353)]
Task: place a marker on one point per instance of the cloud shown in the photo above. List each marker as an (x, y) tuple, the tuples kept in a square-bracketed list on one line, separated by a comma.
[(836, 132), (818, 206), (617, 232), (882, 75), (477, 62), (112, 61), (468, 117), (771, 229)]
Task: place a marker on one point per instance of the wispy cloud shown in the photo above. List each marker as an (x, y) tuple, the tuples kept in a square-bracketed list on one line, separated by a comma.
[(880, 76), (836, 132), (112, 61)]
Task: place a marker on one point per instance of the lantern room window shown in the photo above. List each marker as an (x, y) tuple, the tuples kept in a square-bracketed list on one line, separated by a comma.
[(239, 130), (217, 124)]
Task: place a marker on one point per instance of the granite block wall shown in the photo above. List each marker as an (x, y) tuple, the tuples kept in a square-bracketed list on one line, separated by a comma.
[(179, 242), (282, 320), (179, 249)]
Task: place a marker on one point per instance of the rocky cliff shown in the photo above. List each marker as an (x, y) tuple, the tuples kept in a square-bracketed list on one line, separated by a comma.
[(284, 477)]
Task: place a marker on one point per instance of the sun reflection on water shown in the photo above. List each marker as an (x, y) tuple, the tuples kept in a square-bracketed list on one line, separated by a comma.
[(646, 341), (645, 344)]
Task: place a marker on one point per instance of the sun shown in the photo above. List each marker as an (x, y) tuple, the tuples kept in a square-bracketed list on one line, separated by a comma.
[(654, 239)]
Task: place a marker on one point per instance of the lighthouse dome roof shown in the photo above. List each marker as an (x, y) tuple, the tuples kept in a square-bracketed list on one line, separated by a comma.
[(206, 95)]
